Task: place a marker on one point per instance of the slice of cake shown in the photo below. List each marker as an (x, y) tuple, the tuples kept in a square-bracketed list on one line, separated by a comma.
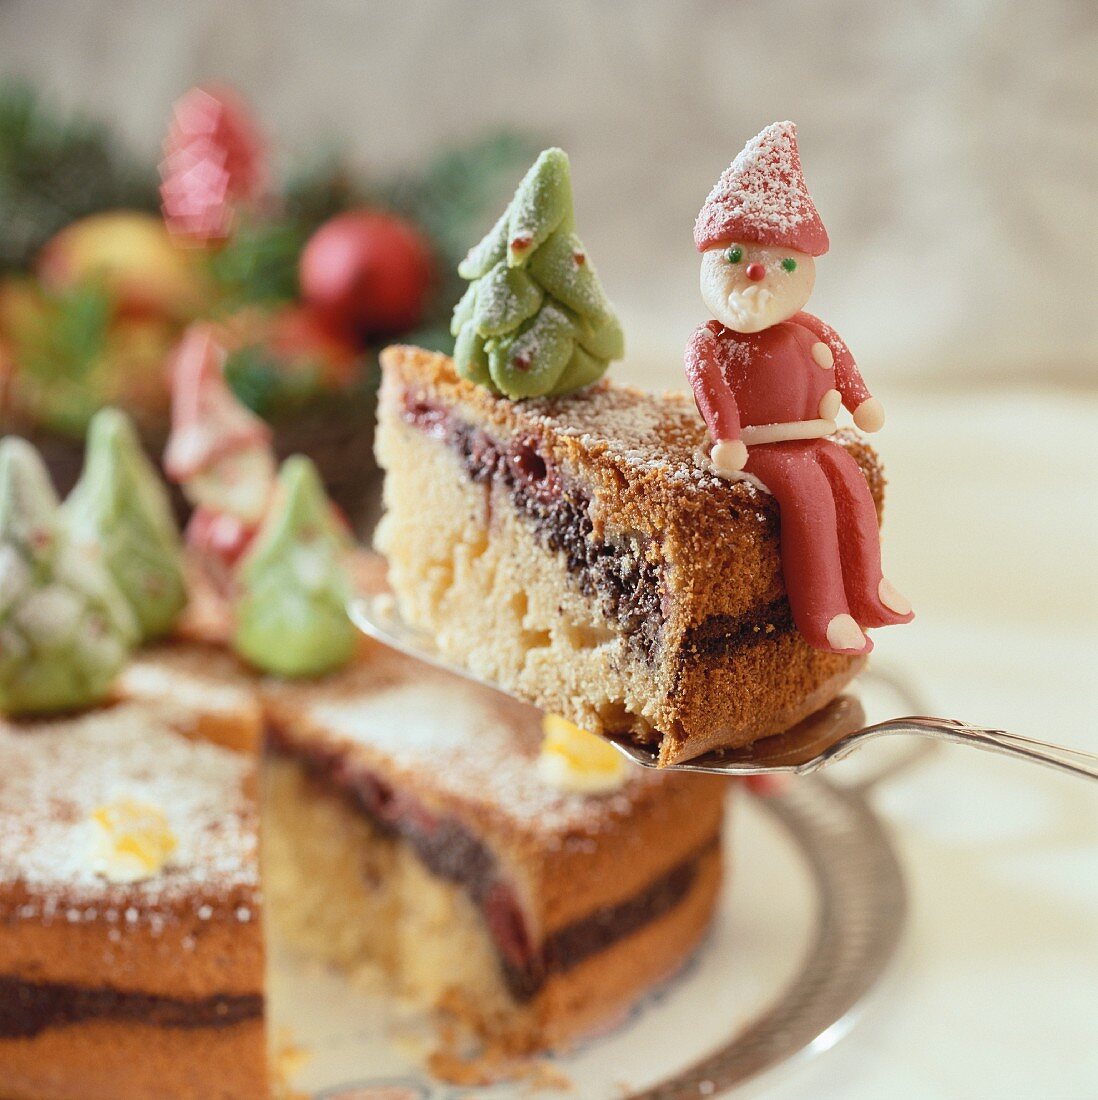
[(574, 551), (131, 951), (411, 832)]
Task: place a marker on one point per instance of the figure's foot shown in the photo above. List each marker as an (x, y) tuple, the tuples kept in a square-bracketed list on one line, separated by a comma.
[(879, 605), (844, 635), (895, 601)]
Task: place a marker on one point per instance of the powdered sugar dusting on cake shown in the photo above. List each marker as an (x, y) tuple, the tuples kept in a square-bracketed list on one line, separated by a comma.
[(55, 775), (471, 748), (641, 433)]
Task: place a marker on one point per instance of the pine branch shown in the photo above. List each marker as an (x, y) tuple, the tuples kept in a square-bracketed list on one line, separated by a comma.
[(54, 168)]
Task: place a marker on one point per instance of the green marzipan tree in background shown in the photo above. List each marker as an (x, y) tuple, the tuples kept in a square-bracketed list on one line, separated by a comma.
[(120, 510), (291, 616), (65, 629)]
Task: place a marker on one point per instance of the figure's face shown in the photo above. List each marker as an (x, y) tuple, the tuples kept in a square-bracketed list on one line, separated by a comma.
[(749, 287), (240, 483)]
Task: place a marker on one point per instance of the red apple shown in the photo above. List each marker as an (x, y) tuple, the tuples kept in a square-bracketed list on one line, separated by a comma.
[(299, 335), (367, 272)]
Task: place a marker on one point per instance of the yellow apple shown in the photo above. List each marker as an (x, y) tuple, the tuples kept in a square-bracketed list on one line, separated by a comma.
[(133, 256)]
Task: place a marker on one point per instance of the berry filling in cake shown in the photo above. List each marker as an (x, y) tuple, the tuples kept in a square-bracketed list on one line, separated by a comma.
[(628, 587), (28, 1008)]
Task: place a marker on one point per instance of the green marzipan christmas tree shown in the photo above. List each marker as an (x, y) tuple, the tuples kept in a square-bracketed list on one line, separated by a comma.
[(119, 509), (534, 320), (291, 617), (65, 629)]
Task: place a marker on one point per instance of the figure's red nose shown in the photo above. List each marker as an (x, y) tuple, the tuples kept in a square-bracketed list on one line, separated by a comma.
[(755, 272)]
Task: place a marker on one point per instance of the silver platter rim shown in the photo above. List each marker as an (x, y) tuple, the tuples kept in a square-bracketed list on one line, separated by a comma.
[(861, 912)]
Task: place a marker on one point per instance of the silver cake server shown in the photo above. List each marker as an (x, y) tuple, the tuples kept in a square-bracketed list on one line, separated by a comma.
[(826, 736)]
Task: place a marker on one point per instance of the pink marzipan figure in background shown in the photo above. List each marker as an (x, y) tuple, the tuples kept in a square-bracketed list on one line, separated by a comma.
[(218, 451), (769, 381)]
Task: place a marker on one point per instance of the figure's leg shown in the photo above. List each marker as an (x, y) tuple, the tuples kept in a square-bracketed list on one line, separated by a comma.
[(873, 601), (811, 564)]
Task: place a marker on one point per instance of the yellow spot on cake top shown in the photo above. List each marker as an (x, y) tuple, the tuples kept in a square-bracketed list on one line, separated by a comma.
[(133, 840), (574, 760)]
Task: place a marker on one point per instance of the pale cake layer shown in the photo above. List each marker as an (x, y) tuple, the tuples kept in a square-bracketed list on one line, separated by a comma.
[(341, 890), (575, 552)]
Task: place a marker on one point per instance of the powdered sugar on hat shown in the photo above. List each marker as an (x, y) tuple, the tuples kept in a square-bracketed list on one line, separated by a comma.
[(762, 198)]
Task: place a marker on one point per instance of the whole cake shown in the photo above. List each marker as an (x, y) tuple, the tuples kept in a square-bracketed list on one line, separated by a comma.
[(507, 871)]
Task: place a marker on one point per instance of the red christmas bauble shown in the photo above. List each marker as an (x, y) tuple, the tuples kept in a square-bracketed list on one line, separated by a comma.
[(214, 160), (367, 272)]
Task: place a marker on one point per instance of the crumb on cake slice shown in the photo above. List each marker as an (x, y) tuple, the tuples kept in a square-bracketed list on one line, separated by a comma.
[(575, 551)]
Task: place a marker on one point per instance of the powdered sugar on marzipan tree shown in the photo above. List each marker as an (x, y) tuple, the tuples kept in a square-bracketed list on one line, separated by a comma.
[(65, 629), (218, 451), (534, 321), (769, 380), (119, 512)]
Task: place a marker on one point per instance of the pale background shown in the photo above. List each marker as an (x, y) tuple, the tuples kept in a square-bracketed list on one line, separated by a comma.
[(950, 147)]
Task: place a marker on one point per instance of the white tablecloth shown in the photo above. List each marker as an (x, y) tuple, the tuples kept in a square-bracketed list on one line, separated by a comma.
[(992, 531)]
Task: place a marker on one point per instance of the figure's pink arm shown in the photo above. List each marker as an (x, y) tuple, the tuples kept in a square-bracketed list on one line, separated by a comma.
[(848, 379), (712, 394)]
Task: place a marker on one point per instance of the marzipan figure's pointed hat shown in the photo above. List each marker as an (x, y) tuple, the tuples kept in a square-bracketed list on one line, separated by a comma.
[(762, 198), (208, 422)]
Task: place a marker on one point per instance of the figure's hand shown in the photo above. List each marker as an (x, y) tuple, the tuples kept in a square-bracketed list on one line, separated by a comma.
[(729, 456), (870, 415)]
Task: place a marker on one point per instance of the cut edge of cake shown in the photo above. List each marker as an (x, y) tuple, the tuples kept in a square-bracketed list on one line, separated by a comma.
[(514, 937)]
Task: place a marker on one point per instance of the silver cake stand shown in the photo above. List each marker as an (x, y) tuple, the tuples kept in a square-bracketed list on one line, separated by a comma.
[(861, 910)]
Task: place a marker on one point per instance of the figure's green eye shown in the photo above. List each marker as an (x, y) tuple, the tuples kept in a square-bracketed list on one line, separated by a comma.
[(734, 254), (789, 264)]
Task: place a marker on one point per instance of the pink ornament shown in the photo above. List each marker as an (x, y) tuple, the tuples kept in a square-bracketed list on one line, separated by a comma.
[(213, 163)]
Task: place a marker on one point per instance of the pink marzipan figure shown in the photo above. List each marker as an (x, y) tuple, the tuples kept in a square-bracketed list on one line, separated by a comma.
[(769, 380), (218, 451)]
